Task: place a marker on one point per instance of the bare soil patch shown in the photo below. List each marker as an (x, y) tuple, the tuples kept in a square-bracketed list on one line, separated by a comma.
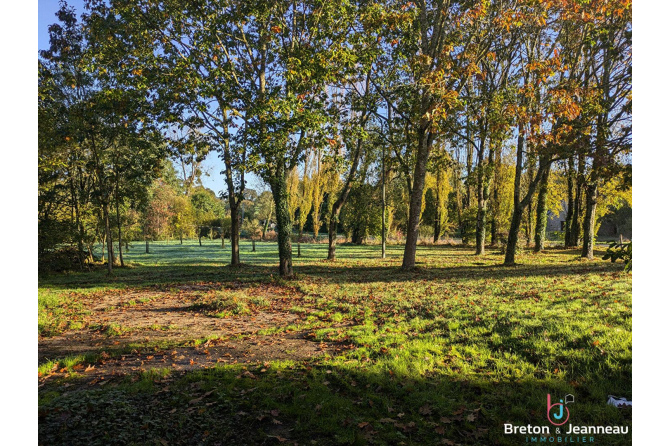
[(148, 322)]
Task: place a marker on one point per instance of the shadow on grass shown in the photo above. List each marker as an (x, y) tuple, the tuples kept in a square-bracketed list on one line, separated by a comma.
[(321, 403), (334, 272)]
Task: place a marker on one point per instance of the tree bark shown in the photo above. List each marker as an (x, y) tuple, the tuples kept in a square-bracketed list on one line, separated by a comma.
[(541, 213), (108, 236), (521, 204), (571, 202), (438, 216), (529, 214), (146, 239), (575, 230), (483, 189), (496, 194), (517, 213), (234, 233), (589, 221), (383, 204), (284, 223), (118, 220), (425, 141), (80, 229)]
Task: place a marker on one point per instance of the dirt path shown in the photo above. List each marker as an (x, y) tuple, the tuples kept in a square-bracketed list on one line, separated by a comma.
[(153, 329)]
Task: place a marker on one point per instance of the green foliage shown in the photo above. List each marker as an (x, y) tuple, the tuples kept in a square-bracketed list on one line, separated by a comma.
[(251, 228), (623, 251), (362, 214)]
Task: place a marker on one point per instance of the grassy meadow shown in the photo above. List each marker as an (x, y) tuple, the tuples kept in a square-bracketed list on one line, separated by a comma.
[(177, 348)]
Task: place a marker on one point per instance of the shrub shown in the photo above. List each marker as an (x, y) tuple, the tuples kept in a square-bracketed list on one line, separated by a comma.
[(623, 251)]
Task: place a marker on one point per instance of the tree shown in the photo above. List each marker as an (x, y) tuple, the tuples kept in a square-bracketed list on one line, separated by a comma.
[(192, 41), (361, 214), (359, 105), (209, 210), (109, 150), (183, 217), (304, 201), (263, 210), (610, 76), (431, 54)]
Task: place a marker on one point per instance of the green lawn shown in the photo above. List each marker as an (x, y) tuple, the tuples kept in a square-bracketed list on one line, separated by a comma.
[(443, 355)]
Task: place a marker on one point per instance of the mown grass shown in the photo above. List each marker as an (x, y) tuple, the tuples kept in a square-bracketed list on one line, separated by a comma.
[(443, 355)]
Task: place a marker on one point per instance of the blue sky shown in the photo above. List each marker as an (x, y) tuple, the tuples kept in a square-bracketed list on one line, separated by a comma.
[(213, 179)]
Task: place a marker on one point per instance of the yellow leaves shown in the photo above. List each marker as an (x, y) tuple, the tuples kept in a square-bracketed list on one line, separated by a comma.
[(276, 29), (137, 72)]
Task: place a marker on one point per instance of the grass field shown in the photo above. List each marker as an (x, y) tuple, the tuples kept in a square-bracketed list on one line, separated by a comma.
[(178, 349)]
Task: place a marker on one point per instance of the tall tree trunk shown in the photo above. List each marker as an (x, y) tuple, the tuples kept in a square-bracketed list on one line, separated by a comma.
[(529, 213), (589, 220), (284, 223), (146, 239), (332, 237), (299, 238), (519, 203), (483, 188), (496, 193), (517, 213), (108, 236), (234, 233), (77, 222), (416, 198), (480, 228), (480, 225), (118, 220), (468, 166), (577, 216), (494, 231), (529, 223), (438, 215), (541, 213), (383, 204), (459, 198), (234, 197), (571, 202)]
